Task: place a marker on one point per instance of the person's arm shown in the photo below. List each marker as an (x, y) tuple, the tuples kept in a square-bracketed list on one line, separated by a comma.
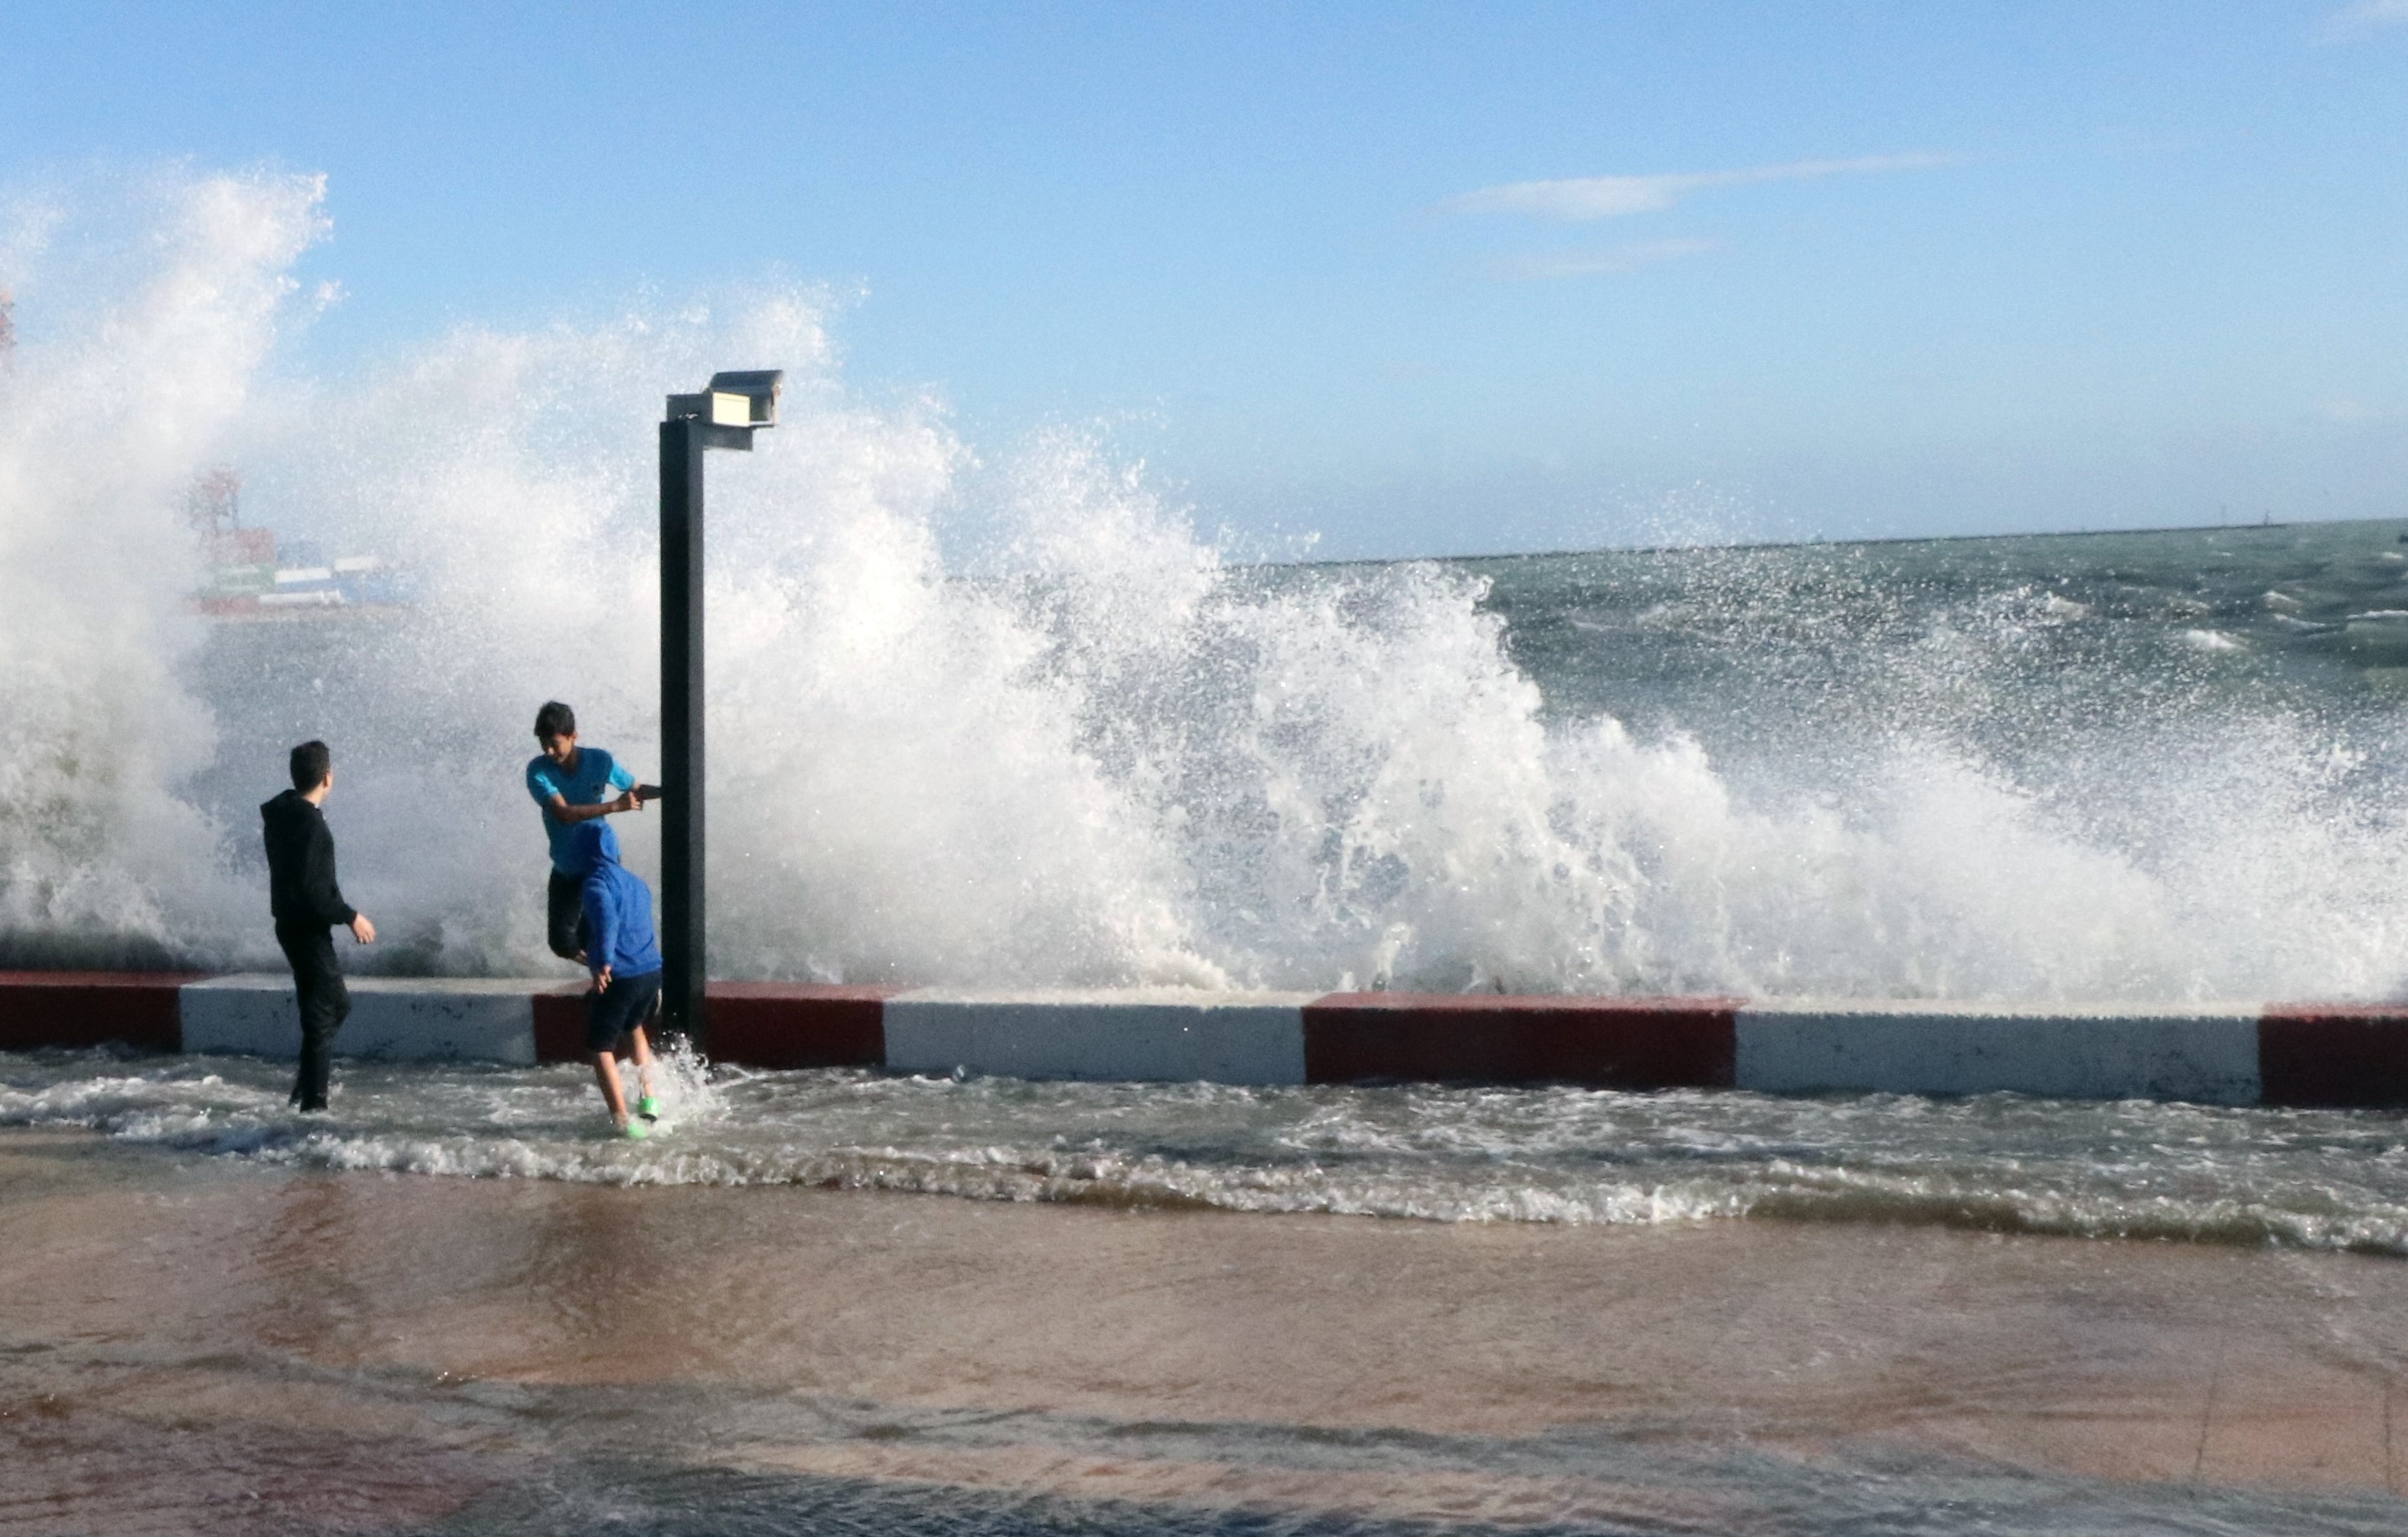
[(319, 887), (630, 793), (324, 895), (548, 794), (602, 929), (560, 808)]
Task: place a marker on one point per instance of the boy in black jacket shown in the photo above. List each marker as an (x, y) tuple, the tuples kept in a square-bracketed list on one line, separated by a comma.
[(306, 902)]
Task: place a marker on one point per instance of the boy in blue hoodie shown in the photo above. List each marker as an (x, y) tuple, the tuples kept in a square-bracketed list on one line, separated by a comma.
[(624, 959)]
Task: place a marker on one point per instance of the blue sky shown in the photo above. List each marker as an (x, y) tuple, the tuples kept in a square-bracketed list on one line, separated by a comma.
[(1421, 279)]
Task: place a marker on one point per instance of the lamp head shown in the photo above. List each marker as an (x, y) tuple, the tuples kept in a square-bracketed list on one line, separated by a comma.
[(744, 398), (758, 386)]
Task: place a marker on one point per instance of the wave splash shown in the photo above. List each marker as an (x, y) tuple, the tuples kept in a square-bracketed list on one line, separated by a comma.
[(1006, 721), (101, 426)]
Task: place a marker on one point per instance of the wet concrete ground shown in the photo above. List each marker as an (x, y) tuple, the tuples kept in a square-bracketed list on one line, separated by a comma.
[(194, 1344)]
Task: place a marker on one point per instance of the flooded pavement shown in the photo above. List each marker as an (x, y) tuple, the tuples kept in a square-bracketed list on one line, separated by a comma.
[(204, 1343)]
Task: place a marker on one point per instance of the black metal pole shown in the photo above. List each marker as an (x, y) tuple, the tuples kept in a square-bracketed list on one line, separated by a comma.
[(683, 945)]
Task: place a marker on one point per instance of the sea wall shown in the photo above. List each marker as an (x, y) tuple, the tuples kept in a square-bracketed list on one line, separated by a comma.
[(2218, 1054)]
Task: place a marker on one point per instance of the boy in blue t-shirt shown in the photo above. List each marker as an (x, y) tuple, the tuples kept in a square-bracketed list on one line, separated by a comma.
[(573, 784)]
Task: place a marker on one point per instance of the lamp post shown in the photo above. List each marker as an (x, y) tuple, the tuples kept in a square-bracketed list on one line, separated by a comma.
[(723, 415)]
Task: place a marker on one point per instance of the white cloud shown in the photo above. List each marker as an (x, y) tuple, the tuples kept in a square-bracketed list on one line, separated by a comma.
[(1546, 266), (1586, 197), (2365, 16)]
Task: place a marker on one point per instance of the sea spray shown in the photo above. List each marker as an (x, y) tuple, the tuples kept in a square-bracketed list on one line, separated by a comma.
[(101, 428), (1022, 727)]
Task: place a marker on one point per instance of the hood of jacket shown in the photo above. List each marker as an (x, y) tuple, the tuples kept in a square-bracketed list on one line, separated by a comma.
[(285, 809), (595, 845)]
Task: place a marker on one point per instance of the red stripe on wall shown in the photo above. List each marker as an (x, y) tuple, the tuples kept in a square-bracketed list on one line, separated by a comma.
[(77, 1009), (1597, 1042), (752, 1024), (2333, 1054), (798, 1024), (560, 1018)]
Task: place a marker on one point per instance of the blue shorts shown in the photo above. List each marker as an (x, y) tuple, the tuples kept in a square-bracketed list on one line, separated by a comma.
[(629, 1002)]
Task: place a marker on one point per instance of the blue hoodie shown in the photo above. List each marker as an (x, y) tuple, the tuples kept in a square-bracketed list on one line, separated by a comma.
[(618, 907)]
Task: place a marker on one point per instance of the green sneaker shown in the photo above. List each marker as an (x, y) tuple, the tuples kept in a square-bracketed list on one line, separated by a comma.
[(637, 1131), (649, 1108)]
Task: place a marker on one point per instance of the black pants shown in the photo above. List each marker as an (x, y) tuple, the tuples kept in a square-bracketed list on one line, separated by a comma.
[(626, 1008), (325, 1003), (565, 915)]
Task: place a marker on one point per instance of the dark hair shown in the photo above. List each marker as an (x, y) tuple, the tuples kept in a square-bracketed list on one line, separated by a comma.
[(555, 720), (311, 764)]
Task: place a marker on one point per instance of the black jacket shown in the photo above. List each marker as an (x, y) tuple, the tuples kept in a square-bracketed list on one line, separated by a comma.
[(301, 887)]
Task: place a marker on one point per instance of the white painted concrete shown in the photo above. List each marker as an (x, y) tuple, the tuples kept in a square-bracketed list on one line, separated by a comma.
[(409, 1019), (2204, 1053), (1157, 1035)]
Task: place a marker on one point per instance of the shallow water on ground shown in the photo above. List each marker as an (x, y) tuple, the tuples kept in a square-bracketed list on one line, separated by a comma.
[(2310, 1179), (454, 1304), (201, 1344)]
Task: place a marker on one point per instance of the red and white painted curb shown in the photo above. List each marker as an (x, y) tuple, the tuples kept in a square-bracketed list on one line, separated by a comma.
[(138, 1009), (2346, 1054)]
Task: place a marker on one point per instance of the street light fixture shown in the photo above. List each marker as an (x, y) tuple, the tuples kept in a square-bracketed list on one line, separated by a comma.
[(748, 399), (723, 415)]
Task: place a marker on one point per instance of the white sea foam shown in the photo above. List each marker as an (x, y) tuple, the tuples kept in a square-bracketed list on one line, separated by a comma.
[(1104, 756), (2319, 1180), (102, 423)]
